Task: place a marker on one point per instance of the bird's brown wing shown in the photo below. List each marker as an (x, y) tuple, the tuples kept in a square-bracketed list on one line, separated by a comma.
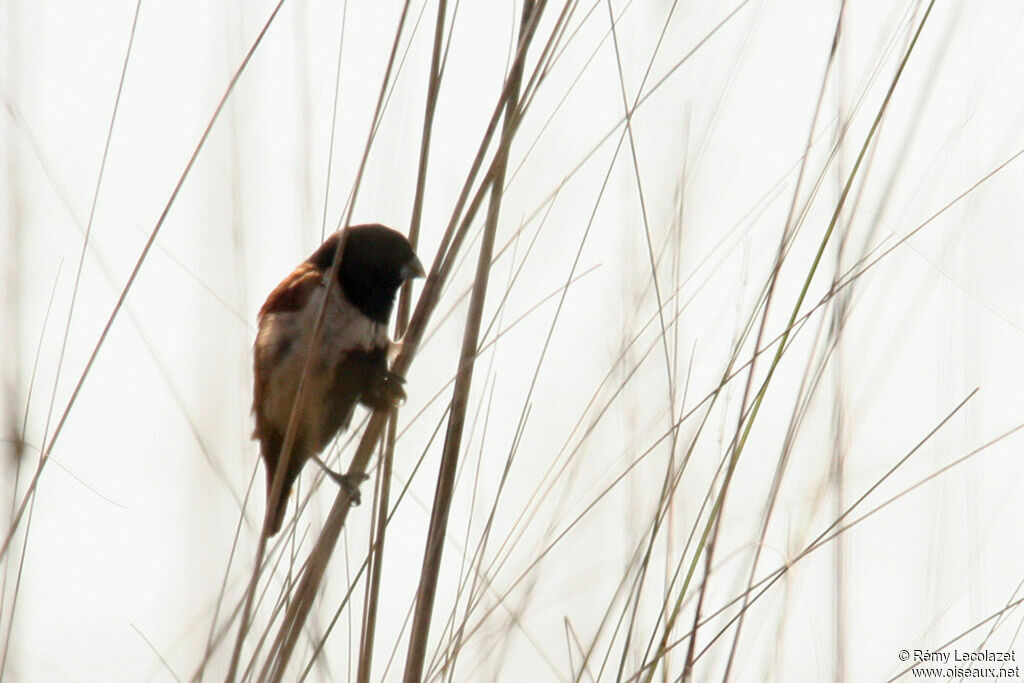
[(295, 290), (291, 295)]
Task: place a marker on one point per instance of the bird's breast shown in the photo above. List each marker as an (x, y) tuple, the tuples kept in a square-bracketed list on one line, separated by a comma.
[(286, 336)]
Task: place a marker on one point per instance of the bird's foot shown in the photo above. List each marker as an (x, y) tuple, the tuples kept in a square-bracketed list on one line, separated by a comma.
[(348, 482)]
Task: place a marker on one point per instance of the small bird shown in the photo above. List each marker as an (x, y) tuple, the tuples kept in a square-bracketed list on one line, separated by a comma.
[(349, 362)]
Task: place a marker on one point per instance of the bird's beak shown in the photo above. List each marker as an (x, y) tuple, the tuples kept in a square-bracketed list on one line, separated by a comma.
[(412, 269)]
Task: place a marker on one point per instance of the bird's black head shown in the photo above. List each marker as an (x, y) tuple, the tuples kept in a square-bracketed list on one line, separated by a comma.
[(377, 260)]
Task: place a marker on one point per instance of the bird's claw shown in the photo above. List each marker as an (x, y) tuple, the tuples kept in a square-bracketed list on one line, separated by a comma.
[(350, 484)]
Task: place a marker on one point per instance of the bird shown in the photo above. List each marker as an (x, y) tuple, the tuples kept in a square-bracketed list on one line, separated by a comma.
[(349, 363)]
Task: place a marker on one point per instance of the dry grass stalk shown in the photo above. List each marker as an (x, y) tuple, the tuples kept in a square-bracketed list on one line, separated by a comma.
[(313, 571), (433, 552), (378, 535)]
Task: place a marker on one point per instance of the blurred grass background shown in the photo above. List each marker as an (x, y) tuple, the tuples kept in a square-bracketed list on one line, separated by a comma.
[(584, 513)]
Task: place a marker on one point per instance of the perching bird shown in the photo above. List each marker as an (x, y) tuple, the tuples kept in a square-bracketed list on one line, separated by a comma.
[(349, 358)]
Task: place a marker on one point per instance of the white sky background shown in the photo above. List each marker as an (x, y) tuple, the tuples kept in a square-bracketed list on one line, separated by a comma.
[(134, 516)]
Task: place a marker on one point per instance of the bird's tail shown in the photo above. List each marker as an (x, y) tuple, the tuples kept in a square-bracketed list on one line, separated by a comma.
[(275, 512)]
